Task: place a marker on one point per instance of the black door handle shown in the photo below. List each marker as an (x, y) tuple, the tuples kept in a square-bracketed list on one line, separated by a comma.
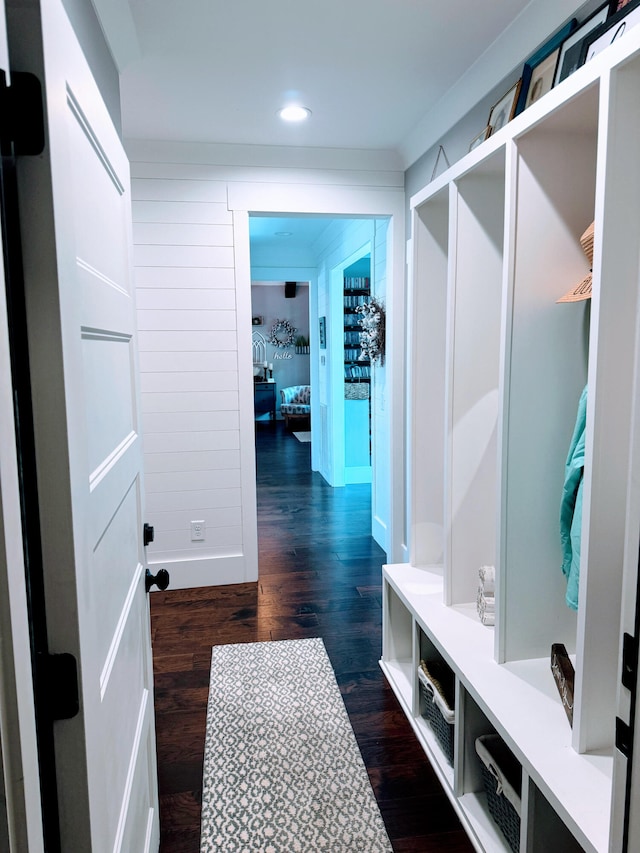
[(161, 579)]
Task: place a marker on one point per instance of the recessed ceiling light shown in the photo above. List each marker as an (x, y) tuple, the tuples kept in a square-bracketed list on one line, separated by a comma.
[(283, 233), (294, 113)]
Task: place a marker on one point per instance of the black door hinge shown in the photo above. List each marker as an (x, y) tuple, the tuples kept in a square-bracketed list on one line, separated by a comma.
[(60, 685), (629, 675), (21, 114), (624, 738)]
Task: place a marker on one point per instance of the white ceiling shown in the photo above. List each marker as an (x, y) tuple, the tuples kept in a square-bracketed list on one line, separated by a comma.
[(217, 70), (378, 75), (286, 232), (290, 239)]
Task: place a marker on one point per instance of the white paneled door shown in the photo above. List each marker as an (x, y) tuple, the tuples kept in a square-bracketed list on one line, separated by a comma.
[(75, 222)]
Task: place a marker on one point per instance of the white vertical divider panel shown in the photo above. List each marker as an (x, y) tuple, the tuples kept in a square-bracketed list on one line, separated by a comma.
[(416, 657), (245, 401), (381, 473), (508, 273), (547, 371), (426, 381), (399, 643), (476, 317), (396, 364), (623, 88), (609, 411), (410, 505), (449, 381)]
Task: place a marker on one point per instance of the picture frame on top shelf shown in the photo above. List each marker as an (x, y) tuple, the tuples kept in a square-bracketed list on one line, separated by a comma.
[(542, 55), (542, 77), (480, 138), (611, 30), (571, 49), (504, 110), (617, 5)]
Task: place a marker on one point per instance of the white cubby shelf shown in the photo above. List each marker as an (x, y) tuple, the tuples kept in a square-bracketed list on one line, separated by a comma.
[(519, 701), (496, 371)]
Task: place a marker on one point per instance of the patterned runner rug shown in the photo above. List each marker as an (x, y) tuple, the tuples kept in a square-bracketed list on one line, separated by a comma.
[(282, 769)]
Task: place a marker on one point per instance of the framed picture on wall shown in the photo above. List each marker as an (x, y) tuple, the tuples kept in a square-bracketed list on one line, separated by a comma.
[(323, 332), (571, 50)]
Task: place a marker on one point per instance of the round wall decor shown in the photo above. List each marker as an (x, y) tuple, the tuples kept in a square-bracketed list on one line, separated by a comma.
[(282, 334)]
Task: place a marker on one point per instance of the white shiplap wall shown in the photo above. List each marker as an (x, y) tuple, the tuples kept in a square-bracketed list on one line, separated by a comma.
[(185, 280), (191, 254)]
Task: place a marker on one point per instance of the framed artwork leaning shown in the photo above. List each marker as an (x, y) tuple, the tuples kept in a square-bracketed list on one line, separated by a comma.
[(504, 110), (477, 140), (616, 26), (542, 77), (571, 50), (616, 5), (547, 54)]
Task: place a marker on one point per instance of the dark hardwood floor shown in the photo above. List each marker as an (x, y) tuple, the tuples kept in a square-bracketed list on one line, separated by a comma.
[(320, 576)]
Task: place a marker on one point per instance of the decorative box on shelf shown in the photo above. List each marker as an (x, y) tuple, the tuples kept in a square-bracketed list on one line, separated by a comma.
[(564, 677)]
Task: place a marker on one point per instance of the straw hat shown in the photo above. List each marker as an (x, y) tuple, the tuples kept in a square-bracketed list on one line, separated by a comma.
[(583, 289)]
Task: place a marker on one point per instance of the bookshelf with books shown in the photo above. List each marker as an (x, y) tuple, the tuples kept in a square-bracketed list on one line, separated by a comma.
[(357, 291), (357, 374)]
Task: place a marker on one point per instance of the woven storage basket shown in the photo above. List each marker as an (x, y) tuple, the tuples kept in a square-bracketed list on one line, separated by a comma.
[(437, 688), (502, 779), (356, 391)]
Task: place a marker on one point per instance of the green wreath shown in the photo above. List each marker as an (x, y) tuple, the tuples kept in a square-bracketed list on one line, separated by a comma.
[(282, 334)]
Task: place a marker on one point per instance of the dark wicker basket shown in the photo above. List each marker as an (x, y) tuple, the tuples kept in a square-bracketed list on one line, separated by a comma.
[(442, 728), (506, 767)]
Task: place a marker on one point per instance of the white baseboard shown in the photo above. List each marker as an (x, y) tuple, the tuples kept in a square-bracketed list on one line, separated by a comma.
[(380, 534), (206, 571)]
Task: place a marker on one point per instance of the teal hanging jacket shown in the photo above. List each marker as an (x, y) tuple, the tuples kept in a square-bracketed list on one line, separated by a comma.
[(571, 506)]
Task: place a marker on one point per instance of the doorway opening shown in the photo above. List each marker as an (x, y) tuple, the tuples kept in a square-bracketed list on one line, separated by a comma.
[(338, 259)]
